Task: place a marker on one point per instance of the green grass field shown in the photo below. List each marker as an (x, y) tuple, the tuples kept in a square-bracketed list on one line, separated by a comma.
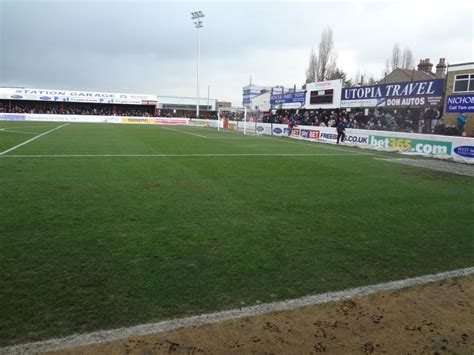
[(96, 242)]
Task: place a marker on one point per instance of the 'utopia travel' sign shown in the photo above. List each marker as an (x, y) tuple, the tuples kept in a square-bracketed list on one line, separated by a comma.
[(409, 93)]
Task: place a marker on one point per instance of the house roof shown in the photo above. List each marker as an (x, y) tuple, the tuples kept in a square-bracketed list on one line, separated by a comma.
[(417, 74), (400, 75)]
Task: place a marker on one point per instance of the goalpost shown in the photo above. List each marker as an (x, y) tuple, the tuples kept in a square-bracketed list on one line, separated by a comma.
[(238, 119)]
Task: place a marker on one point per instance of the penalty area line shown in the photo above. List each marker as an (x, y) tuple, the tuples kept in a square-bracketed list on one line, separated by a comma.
[(99, 337), (177, 130), (31, 140)]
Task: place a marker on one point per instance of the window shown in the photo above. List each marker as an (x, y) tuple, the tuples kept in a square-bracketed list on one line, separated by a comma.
[(464, 82), (321, 97)]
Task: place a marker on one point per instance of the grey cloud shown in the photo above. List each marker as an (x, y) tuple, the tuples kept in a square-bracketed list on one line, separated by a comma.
[(150, 46)]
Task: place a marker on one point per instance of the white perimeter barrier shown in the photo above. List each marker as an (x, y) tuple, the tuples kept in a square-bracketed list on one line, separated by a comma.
[(439, 146), (444, 147), (94, 119)]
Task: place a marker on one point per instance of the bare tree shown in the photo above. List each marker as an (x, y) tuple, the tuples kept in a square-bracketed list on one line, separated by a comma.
[(340, 74), (396, 58), (357, 78), (387, 67), (322, 65), (407, 58), (400, 59), (312, 71), (371, 80), (326, 57), (364, 78)]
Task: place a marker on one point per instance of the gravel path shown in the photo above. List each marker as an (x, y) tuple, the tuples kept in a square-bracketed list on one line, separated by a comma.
[(448, 167)]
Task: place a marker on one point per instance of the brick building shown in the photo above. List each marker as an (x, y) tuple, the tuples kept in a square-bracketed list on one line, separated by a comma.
[(460, 95), (423, 72)]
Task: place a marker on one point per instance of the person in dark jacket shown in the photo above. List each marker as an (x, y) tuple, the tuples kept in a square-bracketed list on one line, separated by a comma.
[(291, 124), (341, 128)]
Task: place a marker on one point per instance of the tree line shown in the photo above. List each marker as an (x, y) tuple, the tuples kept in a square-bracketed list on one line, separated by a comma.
[(323, 63)]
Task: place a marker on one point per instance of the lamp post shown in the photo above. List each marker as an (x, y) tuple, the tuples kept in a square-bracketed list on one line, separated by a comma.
[(197, 16)]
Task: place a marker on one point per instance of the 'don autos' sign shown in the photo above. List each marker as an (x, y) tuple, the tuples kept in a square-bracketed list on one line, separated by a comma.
[(409, 93), (460, 103)]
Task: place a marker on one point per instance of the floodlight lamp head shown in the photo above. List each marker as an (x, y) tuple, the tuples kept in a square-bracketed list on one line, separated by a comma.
[(196, 15)]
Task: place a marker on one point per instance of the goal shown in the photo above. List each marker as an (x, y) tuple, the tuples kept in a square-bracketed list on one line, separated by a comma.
[(238, 119)]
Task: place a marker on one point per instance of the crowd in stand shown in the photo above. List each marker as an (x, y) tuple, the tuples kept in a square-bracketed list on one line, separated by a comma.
[(69, 108), (234, 115), (427, 120), (186, 113)]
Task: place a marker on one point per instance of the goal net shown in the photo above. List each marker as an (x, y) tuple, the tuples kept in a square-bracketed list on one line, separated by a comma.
[(238, 119)]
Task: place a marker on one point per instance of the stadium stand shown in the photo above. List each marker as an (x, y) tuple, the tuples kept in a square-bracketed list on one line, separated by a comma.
[(72, 108), (425, 121)]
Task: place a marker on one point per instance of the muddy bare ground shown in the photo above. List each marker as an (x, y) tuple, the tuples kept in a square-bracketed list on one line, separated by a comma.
[(437, 318)]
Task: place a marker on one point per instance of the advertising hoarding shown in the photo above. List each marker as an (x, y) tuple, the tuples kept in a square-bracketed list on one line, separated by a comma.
[(288, 98), (410, 93), (460, 103), (423, 144), (76, 96)]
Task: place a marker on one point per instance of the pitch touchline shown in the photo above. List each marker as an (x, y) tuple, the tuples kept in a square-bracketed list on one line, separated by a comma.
[(99, 337), (32, 139), (173, 155)]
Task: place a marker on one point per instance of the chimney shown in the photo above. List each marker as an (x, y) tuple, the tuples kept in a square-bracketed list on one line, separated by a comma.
[(441, 69), (425, 65)]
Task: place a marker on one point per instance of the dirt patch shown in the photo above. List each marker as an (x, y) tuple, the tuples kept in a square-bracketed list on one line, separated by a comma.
[(447, 167), (151, 184), (437, 318)]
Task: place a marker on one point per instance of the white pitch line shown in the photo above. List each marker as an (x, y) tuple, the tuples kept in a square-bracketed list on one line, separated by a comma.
[(13, 131), (176, 155), (177, 130), (32, 139), (231, 134), (8, 127), (246, 137), (103, 336)]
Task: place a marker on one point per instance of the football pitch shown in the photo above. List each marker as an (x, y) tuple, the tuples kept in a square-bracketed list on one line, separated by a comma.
[(104, 226)]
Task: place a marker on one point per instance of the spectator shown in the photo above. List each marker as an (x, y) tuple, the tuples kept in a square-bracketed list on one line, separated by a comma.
[(461, 122), (341, 128), (437, 120)]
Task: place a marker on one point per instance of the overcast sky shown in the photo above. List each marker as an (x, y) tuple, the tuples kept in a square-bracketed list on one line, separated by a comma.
[(149, 47)]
